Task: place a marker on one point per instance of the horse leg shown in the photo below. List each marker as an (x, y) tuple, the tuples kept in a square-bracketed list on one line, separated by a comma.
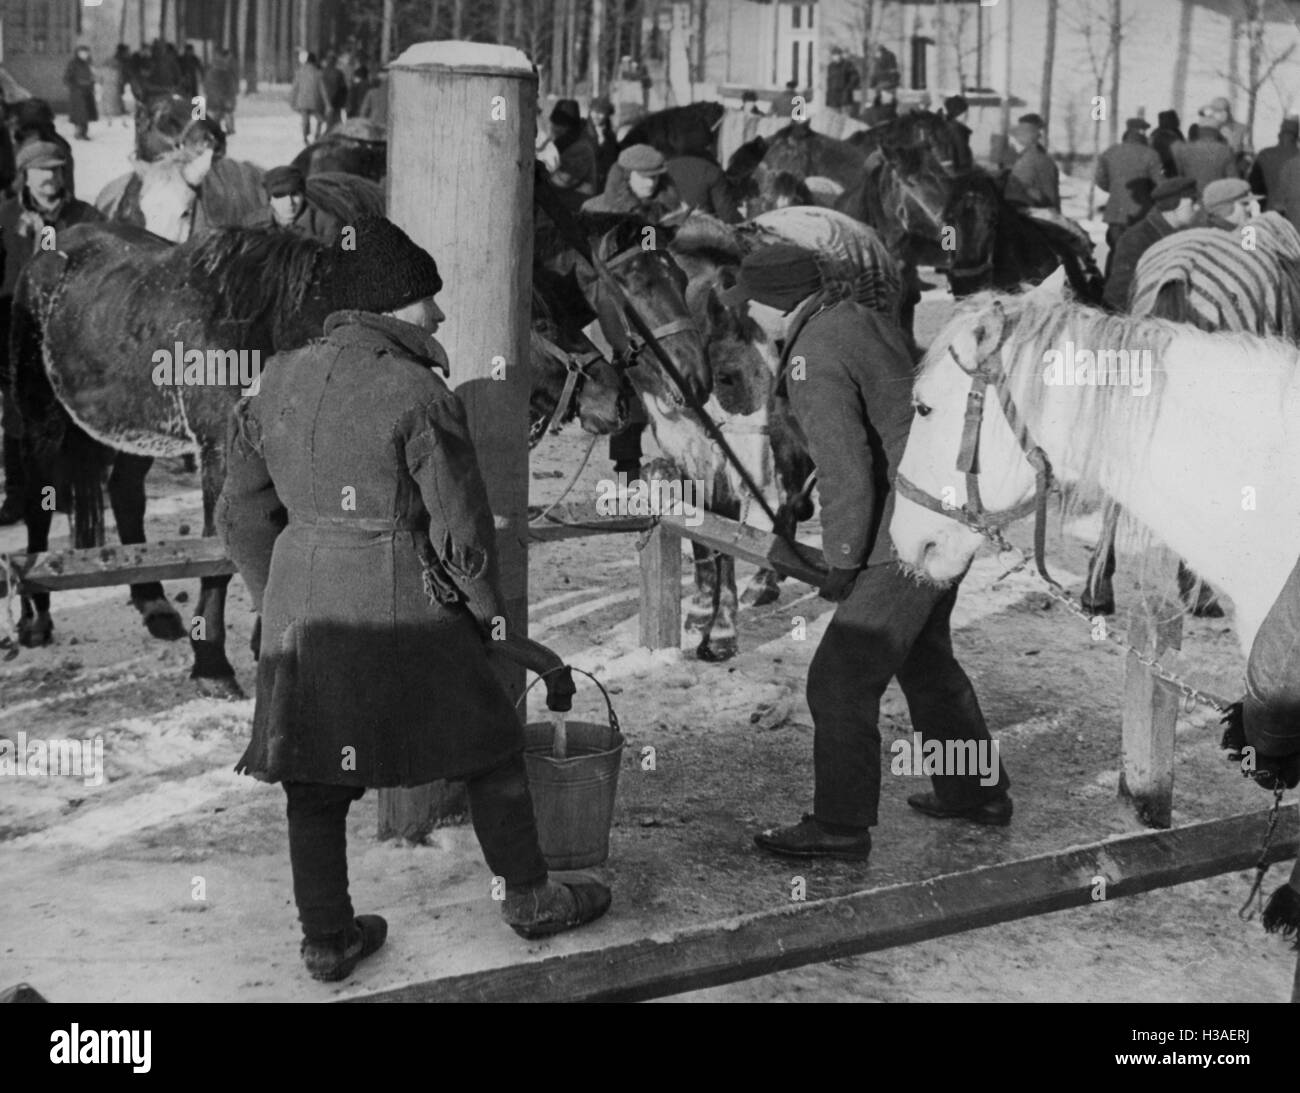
[(126, 497), (720, 642), (1099, 593), (702, 606), (35, 626), (212, 672)]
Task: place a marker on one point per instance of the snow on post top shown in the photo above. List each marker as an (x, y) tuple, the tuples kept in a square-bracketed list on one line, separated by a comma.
[(479, 56)]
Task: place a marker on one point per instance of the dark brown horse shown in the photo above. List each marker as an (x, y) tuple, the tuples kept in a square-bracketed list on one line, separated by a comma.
[(690, 130)]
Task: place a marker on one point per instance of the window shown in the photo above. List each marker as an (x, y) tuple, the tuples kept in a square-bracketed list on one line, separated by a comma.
[(794, 62), (796, 16), (42, 26)]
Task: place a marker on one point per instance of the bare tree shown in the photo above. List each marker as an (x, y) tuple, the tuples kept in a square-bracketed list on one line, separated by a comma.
[(1264, 57), (1100, 25), (1049, 63)]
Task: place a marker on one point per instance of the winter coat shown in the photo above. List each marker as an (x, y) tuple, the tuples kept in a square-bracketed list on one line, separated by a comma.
[(1131, 246), (605, 143), (20, 235), (619, 198), (373, 668), (221, 86), (1266, 174), (1162, 140), (79, 78), (114, 84), (702, 185), (1204, 159), (375, 105), (1287, 200), (335, 85), (1128, 172), (842, 80), (308, 93), (1035, 180), (191, 74), (854, 409)]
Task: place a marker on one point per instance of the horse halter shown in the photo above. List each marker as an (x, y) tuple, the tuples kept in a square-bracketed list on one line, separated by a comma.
[(973, 514), (575, 366)]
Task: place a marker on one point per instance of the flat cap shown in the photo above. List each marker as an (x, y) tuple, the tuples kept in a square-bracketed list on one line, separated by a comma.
[(1223, 192), (643, 159), (780, 276), (1179, 187), (40, 153), (1137, 123), (282, 181)]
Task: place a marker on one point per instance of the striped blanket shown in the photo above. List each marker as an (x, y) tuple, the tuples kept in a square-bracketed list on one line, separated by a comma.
[(1241, 280)]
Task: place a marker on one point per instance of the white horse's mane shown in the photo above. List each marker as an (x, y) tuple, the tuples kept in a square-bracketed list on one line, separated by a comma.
[(1107, 420)]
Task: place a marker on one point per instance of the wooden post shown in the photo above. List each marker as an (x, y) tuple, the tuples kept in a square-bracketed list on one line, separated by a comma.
[(661, 589), (474, 213), (1150, 704)]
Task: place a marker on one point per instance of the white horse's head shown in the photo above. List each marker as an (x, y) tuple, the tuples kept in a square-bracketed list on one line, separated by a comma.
[(169, 190), (937, 546)]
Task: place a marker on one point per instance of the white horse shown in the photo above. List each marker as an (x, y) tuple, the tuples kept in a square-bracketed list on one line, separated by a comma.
[(1208, 460)]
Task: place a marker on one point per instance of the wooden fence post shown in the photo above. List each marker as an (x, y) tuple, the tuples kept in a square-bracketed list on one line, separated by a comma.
[(661, 589), (1150, 704), (460, 182)]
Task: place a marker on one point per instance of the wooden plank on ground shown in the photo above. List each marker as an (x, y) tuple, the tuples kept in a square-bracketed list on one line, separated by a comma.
[(97, 567), (868, 921)]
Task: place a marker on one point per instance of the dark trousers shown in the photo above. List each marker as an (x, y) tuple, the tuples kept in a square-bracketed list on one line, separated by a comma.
[(889, 626), (501, 809), (1113, 232)]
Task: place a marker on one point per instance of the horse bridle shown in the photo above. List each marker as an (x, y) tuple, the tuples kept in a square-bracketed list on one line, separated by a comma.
[(973, 514), (575, 366), (634, 342)]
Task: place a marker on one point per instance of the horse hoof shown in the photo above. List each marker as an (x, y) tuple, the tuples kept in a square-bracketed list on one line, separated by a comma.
[(760, 596), (1208, 609), (697, 623), (33, 633), (162, 620), (716, 650), (1097, 607), (224, 688)]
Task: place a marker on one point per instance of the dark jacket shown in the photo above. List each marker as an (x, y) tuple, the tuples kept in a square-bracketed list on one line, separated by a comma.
[(702, 185), (1131, 246), (308, 92), (335, 85), (1266, 174), (221, 86), (842, 80), (79, 79), (1128, 172), (191, 74), (1035, 180), (311, 223), (1287, 199), (19, 239), (578, 161), (605, 142), (1205, 159), (374, 106), (1162, 140), (854, 408), (373, 667)]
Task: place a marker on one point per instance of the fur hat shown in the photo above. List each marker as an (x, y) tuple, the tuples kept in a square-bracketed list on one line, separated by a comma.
[(386, 271), (566, 112)]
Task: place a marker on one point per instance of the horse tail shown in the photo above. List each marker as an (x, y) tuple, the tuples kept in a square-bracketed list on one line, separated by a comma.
[(83, 462)]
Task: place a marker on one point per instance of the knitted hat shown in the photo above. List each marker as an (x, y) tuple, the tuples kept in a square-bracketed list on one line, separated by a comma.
[(566, 112), (385, 271), (601, 105), (643, 159), (282, 181), (955, 105), (40, 153), (780, 276), (1168, 119)]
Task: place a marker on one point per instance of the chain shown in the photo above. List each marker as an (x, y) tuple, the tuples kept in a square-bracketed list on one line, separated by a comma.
[(1255, 900), (1193, 695)]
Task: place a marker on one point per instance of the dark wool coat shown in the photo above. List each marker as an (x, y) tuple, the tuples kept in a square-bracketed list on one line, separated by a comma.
[(854, 409), (308, 92), (79, 79), (1266, 174), (1204, 159), (363, 678), (1035, 180), (1131, 246), (1128, 172), (19, 239), (1162, 140), (702, 185)]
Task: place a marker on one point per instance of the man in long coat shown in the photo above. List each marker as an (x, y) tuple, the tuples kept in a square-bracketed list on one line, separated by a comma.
[(43, 201), (1207, 157), (356, 513), (1129, 172), (1266, 174), (847, 373), (307, 97), (79, 78), (1176, 207), (1034, 180)]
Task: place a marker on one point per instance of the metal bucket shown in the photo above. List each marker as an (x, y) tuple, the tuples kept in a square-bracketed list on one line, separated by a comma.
[(573, 798)]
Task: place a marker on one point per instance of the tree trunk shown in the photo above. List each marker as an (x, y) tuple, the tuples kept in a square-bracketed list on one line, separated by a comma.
[(558, 24), (182, 24), (241, 49), (1116, 35), (227, 22), (121, 22), (386, 34), (162, 19), (1049, 64), (139, 19), (458, 20), (570, 47), (304, 26), (287, 57), (868, 42), (595, 54), (503, 21)]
